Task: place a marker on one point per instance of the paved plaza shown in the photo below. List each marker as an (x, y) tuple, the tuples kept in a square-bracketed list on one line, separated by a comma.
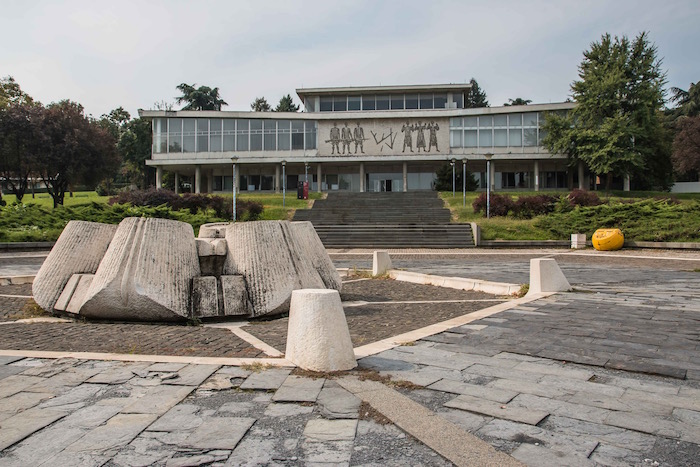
[(608, 374)]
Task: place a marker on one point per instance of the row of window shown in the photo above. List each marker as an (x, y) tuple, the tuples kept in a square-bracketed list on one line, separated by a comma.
[(488, 131), (176, 135), (388, 102)]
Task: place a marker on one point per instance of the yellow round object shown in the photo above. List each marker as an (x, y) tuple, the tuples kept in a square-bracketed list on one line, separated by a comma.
[(608, 239)]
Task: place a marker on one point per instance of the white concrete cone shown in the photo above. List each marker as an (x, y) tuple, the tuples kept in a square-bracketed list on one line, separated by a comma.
[(545, 276), (318, 338), (381, 263)]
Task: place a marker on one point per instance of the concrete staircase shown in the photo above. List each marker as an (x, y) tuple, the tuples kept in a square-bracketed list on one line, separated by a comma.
[(385, 220)]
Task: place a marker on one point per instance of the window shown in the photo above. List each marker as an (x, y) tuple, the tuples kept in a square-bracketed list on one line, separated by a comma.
[(458, 99), (310, 135), (297, 134), (485, 121), (500, 137), (368, 103), (270, 138), (455, 138), (160, 135), (455, 123), (256, 135), (188, 134), (353, 102), (426, 101), (382, 102), (515, 137), (283, 135), (202, 135), (242, 135), (397, 102), (411, 101), (215, 134), (175, 135), (326, 104), (440, 101), (229, 135), (470, 139), (485, 138), (340, 104)]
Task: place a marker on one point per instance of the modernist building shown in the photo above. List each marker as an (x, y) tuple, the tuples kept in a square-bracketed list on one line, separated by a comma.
[(385, 138)]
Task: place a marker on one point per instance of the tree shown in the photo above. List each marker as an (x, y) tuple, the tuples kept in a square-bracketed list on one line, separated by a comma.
[(475, 97), (201, 98), (20, 144), (517, 101), (75, 150), (687, 102), (286, 105), (260, 104), (11, 93), (134, 147), (617, 125), (686, 146), (443, 182)]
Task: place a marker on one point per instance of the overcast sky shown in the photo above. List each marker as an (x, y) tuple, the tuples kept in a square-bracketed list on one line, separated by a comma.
[(134, 53)]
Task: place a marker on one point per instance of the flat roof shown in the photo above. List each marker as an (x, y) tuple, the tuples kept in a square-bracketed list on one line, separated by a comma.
[(383, 89)]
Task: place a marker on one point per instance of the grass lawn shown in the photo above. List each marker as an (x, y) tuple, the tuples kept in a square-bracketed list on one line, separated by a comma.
[(45, 199)]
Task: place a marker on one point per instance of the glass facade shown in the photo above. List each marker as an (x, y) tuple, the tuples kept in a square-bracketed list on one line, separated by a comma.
[(178, 135), (389, 102), (497, 131)]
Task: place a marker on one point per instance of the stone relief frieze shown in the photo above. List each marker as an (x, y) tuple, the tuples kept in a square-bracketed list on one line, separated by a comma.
[(417, 136)]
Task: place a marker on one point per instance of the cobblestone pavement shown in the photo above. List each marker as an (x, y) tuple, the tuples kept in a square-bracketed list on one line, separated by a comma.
[(605, 375)]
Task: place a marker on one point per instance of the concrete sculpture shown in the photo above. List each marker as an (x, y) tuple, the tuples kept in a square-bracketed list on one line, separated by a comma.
[(156, 270)]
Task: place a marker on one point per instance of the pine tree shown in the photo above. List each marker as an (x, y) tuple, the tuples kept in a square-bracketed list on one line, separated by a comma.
[(475, 97)]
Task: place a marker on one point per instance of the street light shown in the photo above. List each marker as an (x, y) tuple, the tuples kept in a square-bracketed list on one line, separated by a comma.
[(234, 159), (284, 183), (464, 182), (452, 163), (488, 157)]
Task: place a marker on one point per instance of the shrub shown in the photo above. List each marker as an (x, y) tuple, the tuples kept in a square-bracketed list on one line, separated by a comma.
[(194, 203), (583, 198), (500, 204), (527, 207)]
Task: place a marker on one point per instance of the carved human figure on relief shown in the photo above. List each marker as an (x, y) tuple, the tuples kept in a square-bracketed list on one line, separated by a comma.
[(346, 137), (420, 137), (433, 128), (407, 139), (359, 134), (334, 138)]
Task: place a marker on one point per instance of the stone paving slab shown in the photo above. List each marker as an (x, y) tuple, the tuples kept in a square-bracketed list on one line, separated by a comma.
[(219, 433), (270, 379), (299, 389), (516, 413)]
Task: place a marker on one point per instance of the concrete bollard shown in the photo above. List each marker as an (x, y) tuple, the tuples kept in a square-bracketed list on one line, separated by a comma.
[(546, 276), (381, 263), (318, 338), (578, 241)]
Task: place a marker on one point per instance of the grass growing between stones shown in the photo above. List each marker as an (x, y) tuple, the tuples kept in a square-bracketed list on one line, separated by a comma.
[(30, 310)]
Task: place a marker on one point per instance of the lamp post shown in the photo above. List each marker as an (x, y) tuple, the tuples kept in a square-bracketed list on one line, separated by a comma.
[(452, 163), (284, 183), (464, 182), (306, 172), (488, 157), (234, 159)]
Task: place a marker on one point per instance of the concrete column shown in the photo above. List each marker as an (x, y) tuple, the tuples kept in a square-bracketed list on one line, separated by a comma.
[(626, 183), (581, 176), (318, 176), (197, 178), (362, 177), (405, 176), (177, 183), (537, 175), (159, 177), (210, 181), (569, 179), (277, 178)]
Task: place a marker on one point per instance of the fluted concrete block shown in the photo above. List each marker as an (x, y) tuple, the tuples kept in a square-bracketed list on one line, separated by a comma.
[(318, 338), (381, 263), (213, 230), (235, 296), (212, 255), (146, 273), (310, 247), (205, 298), (274, 259), (546, 276), (78, 250)]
